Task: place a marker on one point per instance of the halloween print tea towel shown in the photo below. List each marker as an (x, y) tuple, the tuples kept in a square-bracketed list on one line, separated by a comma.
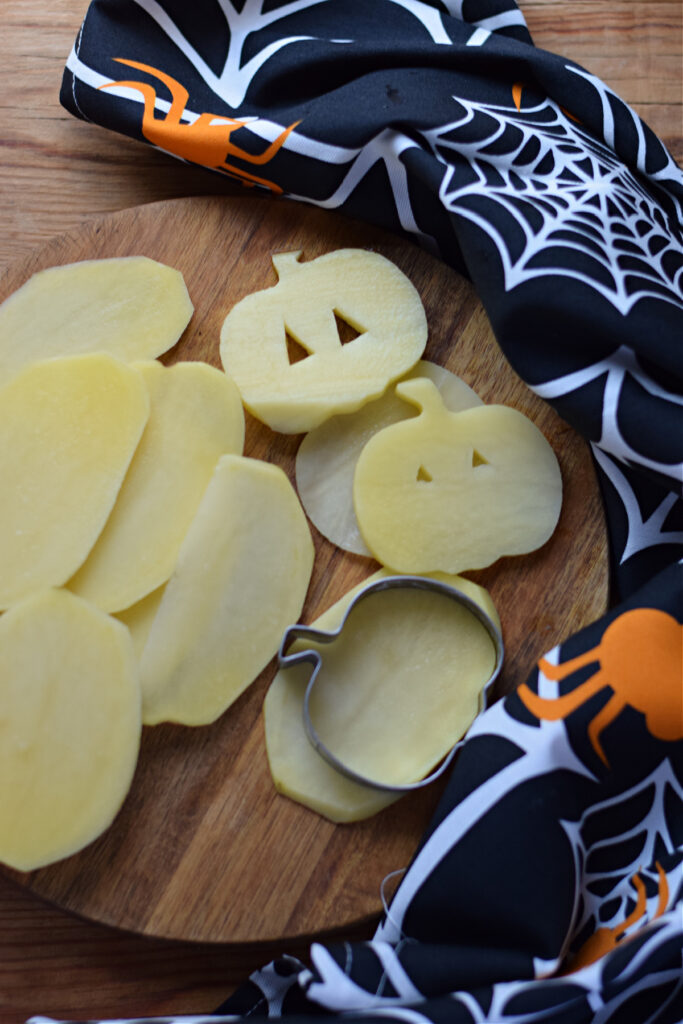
[(549, 886)]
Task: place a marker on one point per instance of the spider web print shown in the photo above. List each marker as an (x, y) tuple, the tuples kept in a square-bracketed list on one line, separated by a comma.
[(234, 79), (579, 211), (608, 892), (642, 531), (615, 369), (236, 75), (614, 455)]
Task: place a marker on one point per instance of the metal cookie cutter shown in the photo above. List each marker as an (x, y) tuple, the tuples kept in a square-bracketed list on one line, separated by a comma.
[(301, 632)]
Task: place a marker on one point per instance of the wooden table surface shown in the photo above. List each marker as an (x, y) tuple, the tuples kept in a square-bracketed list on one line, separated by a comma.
[(54, 173)]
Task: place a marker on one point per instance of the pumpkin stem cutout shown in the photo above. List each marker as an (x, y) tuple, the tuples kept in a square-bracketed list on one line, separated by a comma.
[(640, 659)]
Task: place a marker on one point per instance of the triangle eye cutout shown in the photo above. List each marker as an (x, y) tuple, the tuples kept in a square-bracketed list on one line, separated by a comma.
[(478, 459), (344, 329), (423, 476), (295, 351)]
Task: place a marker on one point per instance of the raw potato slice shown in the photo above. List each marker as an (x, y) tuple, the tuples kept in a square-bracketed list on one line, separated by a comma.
[(69, 729), (131, 307), (455, 491), (241, 579), (69, 430), (327, 457), (364, 289), (397, 661), (139, 618), (196, 416)]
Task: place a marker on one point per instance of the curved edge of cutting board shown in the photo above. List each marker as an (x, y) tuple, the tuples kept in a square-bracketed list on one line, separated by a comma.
[(203, 848)]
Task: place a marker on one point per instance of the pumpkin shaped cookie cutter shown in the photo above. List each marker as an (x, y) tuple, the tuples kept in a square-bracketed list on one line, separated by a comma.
[(315, 658)]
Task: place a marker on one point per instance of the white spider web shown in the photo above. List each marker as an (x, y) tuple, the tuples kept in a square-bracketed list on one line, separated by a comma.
[(643, 532), (616, 368), (654, 828), (557, 202)]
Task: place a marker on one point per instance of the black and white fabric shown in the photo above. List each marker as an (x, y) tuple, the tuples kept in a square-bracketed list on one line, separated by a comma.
[(549, 886)]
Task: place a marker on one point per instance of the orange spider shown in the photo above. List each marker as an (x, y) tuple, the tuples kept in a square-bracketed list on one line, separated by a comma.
[(604, 940), (641, 659), (204, 141)]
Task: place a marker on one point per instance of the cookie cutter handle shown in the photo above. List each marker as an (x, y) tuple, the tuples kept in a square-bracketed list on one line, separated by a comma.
[(287, 658)]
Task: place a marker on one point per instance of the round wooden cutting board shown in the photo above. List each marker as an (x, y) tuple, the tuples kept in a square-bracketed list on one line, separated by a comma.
[(204, 848)]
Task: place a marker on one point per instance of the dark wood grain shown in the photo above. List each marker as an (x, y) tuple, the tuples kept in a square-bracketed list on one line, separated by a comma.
[(56, 963), (56, 171)]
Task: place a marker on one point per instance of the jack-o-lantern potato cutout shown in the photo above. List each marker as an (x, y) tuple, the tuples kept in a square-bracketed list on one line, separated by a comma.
[(327, 456), (363, 289), (455, 491)]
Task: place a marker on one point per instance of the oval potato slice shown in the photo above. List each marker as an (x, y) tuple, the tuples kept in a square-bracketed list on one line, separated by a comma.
[(327, 456), (241, 579), (299, 772), (195, 417), (129, 306), (69, 430), (69, 727)]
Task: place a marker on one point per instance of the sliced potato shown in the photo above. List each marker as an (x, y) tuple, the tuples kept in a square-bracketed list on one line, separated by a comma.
[(69, 430), (196, 416), (397, 689), (327, 456), (455, 491), (366, 291), (130, 306), (69, 727), (241, 579), (139, 618)]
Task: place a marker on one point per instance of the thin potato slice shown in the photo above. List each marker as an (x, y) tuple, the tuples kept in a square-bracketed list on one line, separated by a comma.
[(130, 306), (69, 430), (327, 456), (69, 728), (139, 618), (241, 579), (196, 416), (374, 679), (366, 291), (455, 491)]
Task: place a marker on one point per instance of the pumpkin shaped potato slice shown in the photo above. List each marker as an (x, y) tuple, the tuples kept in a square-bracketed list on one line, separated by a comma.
[(455, 491), (327, 456), (69, 728), (240, 580), (397, 689), (130, 306), (195, 417), (69, 430), (363, 289)]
